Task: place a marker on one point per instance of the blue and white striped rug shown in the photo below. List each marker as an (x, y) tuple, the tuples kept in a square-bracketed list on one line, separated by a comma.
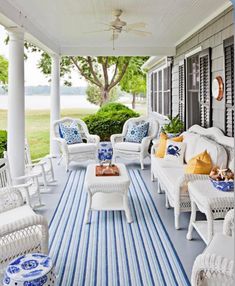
[(109, 251)]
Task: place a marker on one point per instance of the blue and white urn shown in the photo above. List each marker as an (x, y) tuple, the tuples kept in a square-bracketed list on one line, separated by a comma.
[(34, 269), (105, 151)]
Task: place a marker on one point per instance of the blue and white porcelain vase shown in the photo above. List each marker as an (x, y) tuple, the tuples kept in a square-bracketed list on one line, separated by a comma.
[(105, 151), (34, 269)]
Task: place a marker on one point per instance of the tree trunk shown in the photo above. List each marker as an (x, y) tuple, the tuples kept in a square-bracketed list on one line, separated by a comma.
[(133, 100), (104, 96)]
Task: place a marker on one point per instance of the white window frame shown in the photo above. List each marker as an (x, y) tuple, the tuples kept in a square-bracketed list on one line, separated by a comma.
[(159, 66)]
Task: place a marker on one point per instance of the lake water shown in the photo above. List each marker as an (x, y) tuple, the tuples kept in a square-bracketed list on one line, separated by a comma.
[(66, 101), (43, 102)]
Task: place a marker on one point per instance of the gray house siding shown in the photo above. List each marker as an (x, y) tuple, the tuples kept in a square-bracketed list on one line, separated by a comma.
[(211, 35)]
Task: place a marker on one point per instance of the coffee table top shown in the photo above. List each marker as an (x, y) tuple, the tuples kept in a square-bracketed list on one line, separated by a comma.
[(92, 181)]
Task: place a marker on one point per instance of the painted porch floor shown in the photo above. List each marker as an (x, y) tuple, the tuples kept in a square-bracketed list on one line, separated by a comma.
[(186, 250)]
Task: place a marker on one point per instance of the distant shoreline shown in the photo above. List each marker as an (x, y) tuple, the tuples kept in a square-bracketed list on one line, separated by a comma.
[(78, 101)]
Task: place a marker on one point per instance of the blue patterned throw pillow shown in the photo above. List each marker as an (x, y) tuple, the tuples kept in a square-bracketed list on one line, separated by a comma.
[(70, 134), (135, 133)]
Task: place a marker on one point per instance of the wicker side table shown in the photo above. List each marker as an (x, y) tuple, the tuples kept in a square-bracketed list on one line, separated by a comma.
[(213, 203)]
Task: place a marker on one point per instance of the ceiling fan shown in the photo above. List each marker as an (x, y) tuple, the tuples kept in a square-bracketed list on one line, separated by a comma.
[(117, 26)]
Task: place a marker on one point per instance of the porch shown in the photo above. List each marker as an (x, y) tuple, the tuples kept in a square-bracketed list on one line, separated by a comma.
[(108, 251)]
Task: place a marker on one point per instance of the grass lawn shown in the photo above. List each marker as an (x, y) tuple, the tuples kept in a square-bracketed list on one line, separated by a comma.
[(38, 126)]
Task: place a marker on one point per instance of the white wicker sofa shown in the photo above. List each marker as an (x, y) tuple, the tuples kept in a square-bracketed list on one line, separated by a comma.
[(170, 175)]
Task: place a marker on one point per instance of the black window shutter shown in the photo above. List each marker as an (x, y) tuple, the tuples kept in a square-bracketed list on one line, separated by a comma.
[(205, 99), (182, 109), (229, 86)]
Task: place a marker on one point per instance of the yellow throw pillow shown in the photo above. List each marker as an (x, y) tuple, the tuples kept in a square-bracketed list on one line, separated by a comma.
[(161, 150), (200, 164), (197, 167)]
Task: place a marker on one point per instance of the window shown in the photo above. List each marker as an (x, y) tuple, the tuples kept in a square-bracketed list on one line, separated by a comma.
[(161, 89), (195, 105), (229, 86)]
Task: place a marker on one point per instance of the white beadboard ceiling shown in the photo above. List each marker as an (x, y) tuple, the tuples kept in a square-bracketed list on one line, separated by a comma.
[(61, 25)]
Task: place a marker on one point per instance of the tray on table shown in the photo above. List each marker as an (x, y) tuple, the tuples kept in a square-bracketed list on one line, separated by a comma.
[(103, 171)]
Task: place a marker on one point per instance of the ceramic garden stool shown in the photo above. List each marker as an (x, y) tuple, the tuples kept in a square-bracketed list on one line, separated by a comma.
[(34, 269)]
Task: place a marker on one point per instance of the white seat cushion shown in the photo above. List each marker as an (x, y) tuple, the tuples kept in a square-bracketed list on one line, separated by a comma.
[(170, 176), (221, 245), (128, 146), (13, 215), (82, 147)]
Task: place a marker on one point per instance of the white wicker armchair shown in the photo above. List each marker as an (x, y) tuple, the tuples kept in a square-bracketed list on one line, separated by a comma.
[(43, 167), (76, 152), (138, 151), (215, 266), (21, 230)]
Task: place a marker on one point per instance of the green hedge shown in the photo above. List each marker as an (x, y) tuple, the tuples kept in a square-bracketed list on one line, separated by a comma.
[(3, 142), (109, 120), (113, 107)]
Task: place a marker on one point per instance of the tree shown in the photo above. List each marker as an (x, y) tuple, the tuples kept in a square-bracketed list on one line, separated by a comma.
[(134, 80), (3, 72), (94, 96), (103, 72)]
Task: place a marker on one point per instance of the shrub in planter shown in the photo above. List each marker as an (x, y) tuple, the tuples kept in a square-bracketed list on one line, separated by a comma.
[(108, 120), (3, 142)]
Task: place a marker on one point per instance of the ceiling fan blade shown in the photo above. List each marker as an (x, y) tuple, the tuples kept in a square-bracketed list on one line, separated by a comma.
[(140, 25), (139, 33), (97, 31)]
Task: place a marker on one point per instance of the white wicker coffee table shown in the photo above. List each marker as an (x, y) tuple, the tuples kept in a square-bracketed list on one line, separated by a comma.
[(107, 193), (213, 203)]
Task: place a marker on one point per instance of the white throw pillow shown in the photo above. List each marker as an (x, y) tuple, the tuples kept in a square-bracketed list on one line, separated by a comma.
[(175, 151)]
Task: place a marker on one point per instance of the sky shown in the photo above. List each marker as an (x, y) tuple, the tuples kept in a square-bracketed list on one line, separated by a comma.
[(33, 76)]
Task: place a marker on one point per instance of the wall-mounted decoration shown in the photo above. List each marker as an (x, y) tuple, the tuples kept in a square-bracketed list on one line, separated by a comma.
[(218, 88)]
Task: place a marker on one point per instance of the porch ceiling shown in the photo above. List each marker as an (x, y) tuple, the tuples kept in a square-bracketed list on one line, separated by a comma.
[(60, 26)]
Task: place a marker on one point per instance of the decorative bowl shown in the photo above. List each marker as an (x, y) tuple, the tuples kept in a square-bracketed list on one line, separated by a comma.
[(172, 135), (224, 186)]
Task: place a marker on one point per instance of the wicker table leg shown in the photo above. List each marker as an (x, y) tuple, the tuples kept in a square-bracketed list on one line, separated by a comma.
[(192, 220), (210, 226), (127, 209), (88, 207)]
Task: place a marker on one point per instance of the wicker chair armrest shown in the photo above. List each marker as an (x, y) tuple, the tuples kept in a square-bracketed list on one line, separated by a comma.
[(186, 178), (228, 225), (145, 142), (155, 146), (116, 137), (10, 198), (62, 143), (93, 139), (207, 264)]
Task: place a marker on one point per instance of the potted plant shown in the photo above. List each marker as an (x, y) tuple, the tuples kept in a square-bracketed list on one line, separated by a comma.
[(174, 127)]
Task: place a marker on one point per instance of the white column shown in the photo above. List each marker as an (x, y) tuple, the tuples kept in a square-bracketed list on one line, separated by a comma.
[(55, 99), (16, 108)]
